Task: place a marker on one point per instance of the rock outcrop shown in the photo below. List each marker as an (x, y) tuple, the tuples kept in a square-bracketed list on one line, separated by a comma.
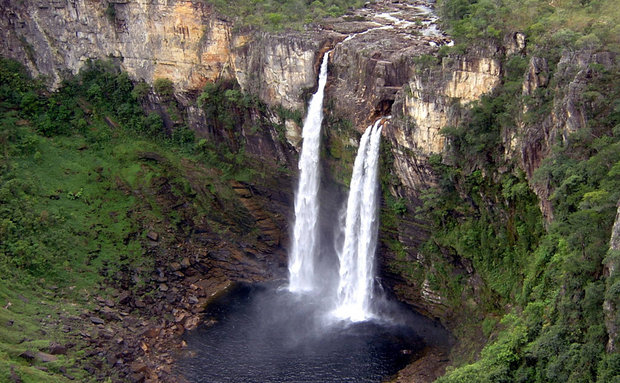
[(566, 112), (179, 40), (279, 69), (612, 301), (431, 100)]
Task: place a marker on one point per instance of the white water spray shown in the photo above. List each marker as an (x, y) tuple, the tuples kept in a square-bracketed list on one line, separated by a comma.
[(355, 288), (305, 232)]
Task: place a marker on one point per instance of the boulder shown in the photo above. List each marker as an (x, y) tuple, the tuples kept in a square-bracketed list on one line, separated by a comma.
[(138, 367), (57, 349), (175, 266), (28, 355), (185, 262), (96, 320), (153, 236)]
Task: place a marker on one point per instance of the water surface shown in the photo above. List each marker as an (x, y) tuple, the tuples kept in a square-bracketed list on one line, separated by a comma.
[(261, 334)]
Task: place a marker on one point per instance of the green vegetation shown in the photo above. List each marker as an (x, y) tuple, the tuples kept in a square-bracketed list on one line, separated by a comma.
[(491, 218), (23, 320), (226, 106), (337, 150), (110, 12), (544, 279), (276, 15), (234, 116), (163, 87), (80, 174), (549, 26)]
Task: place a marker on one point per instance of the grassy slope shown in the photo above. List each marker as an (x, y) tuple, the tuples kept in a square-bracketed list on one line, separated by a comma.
[(77, 198), (78, 225)]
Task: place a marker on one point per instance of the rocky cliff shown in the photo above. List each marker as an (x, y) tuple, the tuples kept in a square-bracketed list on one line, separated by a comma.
[(373, 72), (180, 40), (385, 61), (184, 41), (560, 96)]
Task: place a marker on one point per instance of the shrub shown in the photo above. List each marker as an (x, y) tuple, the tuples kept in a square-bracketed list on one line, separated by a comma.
[(110, 12), (163, 87)]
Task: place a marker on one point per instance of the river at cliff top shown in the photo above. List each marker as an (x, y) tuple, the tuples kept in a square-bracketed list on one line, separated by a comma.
[(262, 334)]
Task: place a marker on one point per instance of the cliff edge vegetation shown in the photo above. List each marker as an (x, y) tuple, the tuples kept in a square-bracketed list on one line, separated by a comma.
[(545, 303), (276, 15)]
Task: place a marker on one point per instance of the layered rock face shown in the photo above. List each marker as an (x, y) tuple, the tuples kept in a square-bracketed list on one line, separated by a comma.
[(611, 304), (277, 68), (428, 96), (184, 41), (374, 61), (432, 99), (179, 40)]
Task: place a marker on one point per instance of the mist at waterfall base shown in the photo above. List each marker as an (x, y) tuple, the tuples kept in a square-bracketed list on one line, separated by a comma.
[(330, 322), (265, 334)]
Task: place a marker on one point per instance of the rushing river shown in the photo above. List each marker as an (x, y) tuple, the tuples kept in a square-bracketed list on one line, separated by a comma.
[(266, 335)]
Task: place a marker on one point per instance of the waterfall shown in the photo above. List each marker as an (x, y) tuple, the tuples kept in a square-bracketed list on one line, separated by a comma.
[(305, 232), (360, 226), (356, 257)]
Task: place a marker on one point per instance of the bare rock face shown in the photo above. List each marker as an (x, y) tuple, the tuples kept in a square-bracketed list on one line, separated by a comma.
[(374, 60), (179, 40), (427, 100), (277, 68), (515, 43), (431, 100), (537, 76)]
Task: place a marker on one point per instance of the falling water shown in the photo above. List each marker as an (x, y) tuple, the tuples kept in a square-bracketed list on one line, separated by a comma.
[(357, 255), (305, 233)]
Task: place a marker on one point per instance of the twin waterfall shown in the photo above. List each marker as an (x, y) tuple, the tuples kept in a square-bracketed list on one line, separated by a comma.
[(356, 255)]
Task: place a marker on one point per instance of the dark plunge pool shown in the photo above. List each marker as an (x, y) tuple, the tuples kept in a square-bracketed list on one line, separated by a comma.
[(263, 334)]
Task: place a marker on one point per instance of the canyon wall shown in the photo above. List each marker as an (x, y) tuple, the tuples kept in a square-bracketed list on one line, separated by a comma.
[(611, 304), (391, 70), (179, 40), (373, 74)]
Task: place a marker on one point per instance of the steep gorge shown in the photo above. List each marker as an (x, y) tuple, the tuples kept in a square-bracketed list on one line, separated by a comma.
[(394, 69)]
